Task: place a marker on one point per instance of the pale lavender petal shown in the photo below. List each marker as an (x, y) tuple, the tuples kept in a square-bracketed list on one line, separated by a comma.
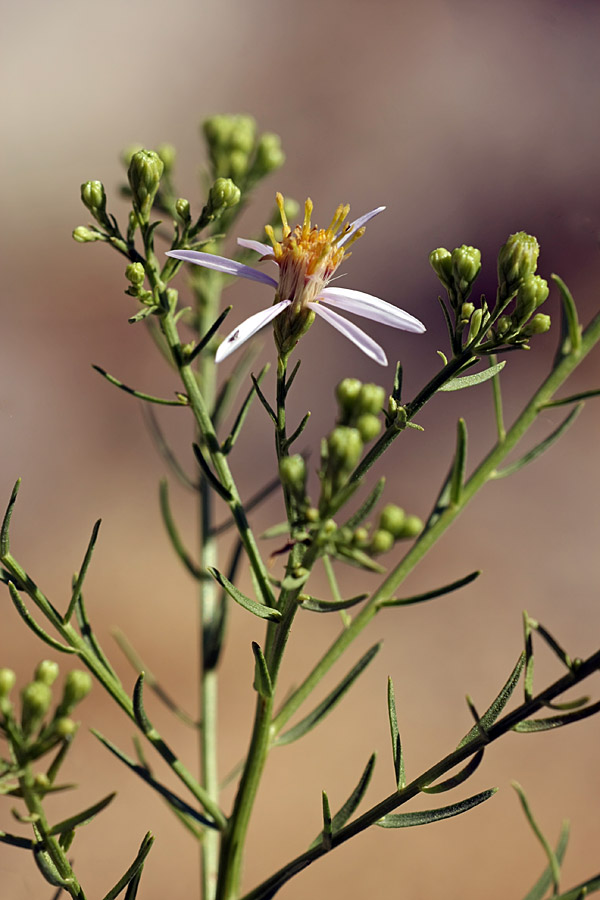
[(263, 249), (352, 332), (222, 264), (370, 307), (358, 223), (248, 328)]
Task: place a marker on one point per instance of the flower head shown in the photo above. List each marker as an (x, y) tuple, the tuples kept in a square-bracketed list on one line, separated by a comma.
[(308, 258)]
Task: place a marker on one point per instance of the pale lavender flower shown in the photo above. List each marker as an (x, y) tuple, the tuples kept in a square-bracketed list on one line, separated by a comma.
[(307, 258)]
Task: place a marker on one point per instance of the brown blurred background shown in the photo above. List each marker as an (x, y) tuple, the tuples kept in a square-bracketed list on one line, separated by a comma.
[(469, 120)]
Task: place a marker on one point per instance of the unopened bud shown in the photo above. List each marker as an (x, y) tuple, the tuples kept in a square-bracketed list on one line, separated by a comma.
[(269, 155), (532, 292), (167, 154), (292, 471), (65, 727), (381, 541), (369, 426), (441, 263), (466, 311), (371, 398), (538, 325), (135, 273), (412, 527), (84, 235), (466, 263), (78, 684), (182, 208), (475, 324), (360, 537), (347, 393), (144, 173), (7, 682), (392, 519), (94, 198), (243, 133), (517, 260), (129, 152), (41, 782), (36, 699), (46, 672), (223, 195), (345, 447), (503, 325)]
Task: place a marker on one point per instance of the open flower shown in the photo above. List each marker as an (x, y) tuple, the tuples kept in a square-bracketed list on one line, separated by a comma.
[(308, 258)]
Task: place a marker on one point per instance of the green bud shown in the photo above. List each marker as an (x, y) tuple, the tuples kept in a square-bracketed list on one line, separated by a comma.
[(41, 782), (135, 273), (243, 134), (84, 235), (292, 471), (345, 447), (36, 698), (347, 393), (466, 263), (144, 173), (223, 195), (65, 727), (269, 155), (46, 672), (94, 198), (360, 537), (475, 324), (412, 527), (503, 325), (217, 131), (369, 426), (312, 514), (167, 154), (466, 311), (371, 398), (381, 541), (538, 325), (517, 260), (532, 292), (78, 684), (237, 165), (7, 682), (441, 263), (392, 519), (129, 152), (182, 208), (329, 526)]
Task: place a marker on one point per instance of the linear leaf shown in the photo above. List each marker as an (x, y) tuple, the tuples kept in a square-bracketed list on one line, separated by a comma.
[(529, 657), (257, 609), (163, 448), (429, 595), (539, 889), (31, 623), (291, 377), (83, 817), (460, 463), (251, 504), (495, 708), (210, 476), (325, 606), (457, 384), (553, 862), (241, 416), (173, 532), (330, 701), (264, 400), (134, 869), (4, 529), (87, 633), (82, 572), (553, 644), (573, 398), (298, 431), (209, 334), (262, 679), (530, 726), (442, 502), (457, 779), (541, 447), (397, 753), (582, 890), (327, 829), (365, 508), (571, 328), (15, 841), (408, 820), (351, 804), (149, 398)]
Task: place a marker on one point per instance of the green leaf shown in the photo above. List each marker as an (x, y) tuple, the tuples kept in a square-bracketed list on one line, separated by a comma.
[(173, 532), (529, 726), (142, 314), (553, 644), (429, 595), (33, 625), (442, 502), (573, 398), (331, 700), (408, 820), (262, 679), (570, 327), (582, 890), (541, 447), (553, 863), (138, 705), (87, 633), (210, 476), (4, 528), (457, 779), (397, 753), (82, 572), (83, 817), (291, 378), (134, 869), (296, 434), (355, 557), (149, 398), (460, 462), (257, 609), (397, 388), (241, 416), (327, 829), (529, 658), (209, 334), (457, 384), (325, 606), (15, 841), (351, 804), (264, 400), (365, 508), (495, 708)]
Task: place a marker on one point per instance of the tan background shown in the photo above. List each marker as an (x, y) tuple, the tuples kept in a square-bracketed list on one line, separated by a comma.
[(469, 120)]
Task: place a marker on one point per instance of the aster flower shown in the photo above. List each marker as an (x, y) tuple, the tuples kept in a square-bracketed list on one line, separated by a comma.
[(308, 258)]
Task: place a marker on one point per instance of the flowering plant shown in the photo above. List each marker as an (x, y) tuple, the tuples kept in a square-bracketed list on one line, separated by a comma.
[(331, 530)]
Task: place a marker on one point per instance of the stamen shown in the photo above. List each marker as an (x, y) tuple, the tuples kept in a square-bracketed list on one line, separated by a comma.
[(357, 234), (277, 250), (339, 216), (284, 221), (308, 208)]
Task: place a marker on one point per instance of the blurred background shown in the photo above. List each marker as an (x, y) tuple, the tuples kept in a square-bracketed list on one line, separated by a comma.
[(470, 121)]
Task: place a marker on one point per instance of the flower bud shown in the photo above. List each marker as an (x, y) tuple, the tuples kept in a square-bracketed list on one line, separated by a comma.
[(94, 198), (144, 173), (135, 273), (243, 133), (475, 324), (46, 672), (292, 471), (345, 447), (413, 526), (466, 263), (36, 698), (7, 682), (381, 541), (129, 152), (441, 263), (167, 154), (84, 235), (369, 426), (503, 325), (223, 195), (347, 393), (237, 165), (517, 260), (65, 727), (182, 208), (371, 398), (538, 325), (392, 519), (269, 155), (41, 782), (360, 536), (466, 311), (78, 684), (532, 292)]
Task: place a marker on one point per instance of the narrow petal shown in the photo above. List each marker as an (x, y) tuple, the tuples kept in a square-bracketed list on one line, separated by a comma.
[(352, 332), (248, 328), (358, 223), (263, 249), (371, 308), (222, 264)]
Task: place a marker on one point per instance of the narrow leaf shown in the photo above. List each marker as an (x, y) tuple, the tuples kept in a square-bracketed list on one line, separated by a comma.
[(142, 314), (149, 398), (327, 829), (83, 817), (460, 462), (173, 532), (541, 447), (82, 572), (397, 388), (241, 416), (330, 701), (325, 606), (574, 398), (495, 708), (397, 753), (529, 658), (582, 890), (134, 869), (211, 478), (257, 609), (138, 706), (365, 508), (442, 502), (429, 595), (291, 377), (296, 434), (457, 779), (553, 862), (4, 529), (408, 820), (213, 630), (457, 384), (351, 804), (251, 504), (570, 322), (15, 841), (31, 623), (164, 450), (262, 679), (553, 644), (209, 334), (87, 633), (529, 726), (264, 400)]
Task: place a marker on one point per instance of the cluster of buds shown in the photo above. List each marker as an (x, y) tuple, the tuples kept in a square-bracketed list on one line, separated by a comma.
[(237, 152), (144, 174), (394, 525), (517, 263), (457, 270)]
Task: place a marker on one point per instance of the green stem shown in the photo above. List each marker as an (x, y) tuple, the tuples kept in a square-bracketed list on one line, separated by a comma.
[(497, 393)]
